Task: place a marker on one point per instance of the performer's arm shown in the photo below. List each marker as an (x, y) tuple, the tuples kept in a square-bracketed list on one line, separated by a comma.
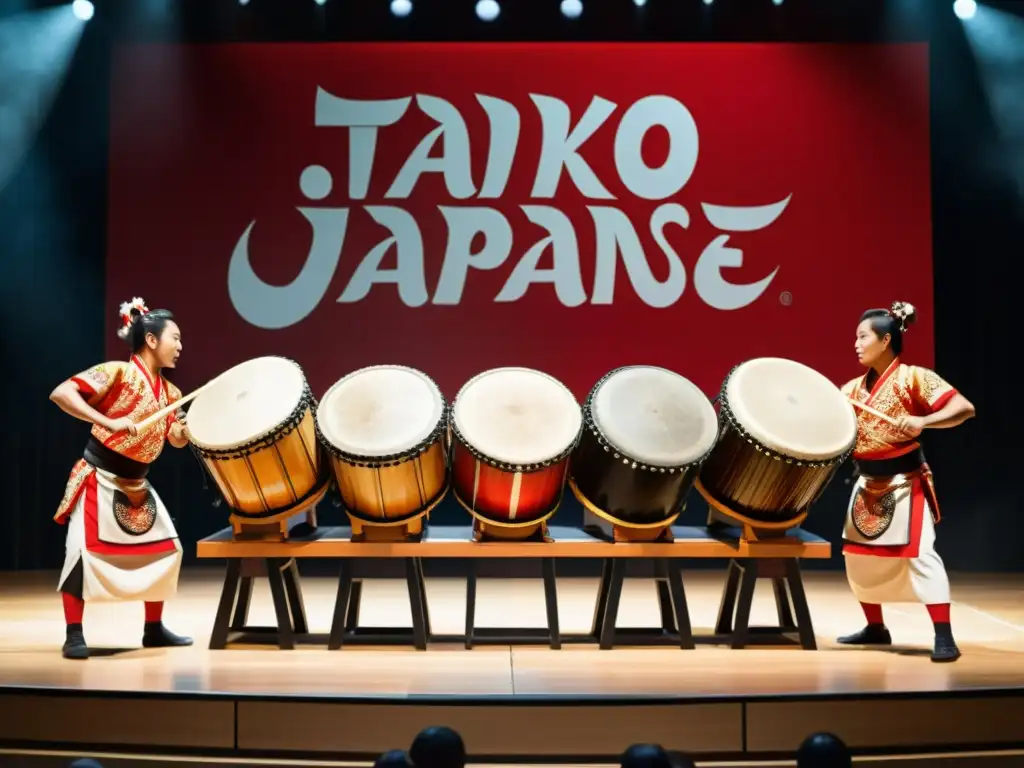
[(177, 429), (954, 413), (178, 435), (95, 382)]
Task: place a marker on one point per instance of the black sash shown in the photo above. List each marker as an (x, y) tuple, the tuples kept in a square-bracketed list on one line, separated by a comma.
[(101, 457), (900, 465)]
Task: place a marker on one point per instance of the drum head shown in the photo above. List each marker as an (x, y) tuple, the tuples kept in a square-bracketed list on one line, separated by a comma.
[(517, 416), (655, 416), (246, 402), (380, 411), (791, 409)]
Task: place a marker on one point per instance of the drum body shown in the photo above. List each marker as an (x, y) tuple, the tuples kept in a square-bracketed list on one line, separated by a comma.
[(384, 429), (646, 432), (513, 430), (784, 429), (255, 432)]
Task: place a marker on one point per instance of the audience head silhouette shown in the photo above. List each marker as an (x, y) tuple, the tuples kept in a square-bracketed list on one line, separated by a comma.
[(823, 750), (647, 756), (396, 758), (438, 747)]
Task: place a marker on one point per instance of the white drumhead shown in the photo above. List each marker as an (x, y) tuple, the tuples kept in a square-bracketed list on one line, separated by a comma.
[(654, 415), (791, 408), (246, 402), (380, 411), (517, 415)]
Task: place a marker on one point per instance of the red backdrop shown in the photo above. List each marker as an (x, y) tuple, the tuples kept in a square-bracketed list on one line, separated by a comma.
[(571, 208)]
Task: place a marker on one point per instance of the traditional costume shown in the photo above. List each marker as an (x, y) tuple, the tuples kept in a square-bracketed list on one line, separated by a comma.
[(889, 536), (121, 542)]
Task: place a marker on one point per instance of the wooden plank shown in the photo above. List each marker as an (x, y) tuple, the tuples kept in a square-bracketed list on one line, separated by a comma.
[(456, 542)]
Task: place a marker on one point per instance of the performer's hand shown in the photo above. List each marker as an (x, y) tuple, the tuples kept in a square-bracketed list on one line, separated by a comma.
[(124, 424), (910, 425)]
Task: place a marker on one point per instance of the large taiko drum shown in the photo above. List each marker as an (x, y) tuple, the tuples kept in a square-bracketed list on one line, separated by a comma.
[(784, 430), (646, 432), (513, 430), (254, 431), (385, 430)]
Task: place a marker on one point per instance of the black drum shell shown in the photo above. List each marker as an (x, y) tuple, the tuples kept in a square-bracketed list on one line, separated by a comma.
[(762, 485), (624, 489)]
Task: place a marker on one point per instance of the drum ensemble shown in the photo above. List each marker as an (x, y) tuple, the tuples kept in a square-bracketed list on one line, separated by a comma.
[(392, 447)]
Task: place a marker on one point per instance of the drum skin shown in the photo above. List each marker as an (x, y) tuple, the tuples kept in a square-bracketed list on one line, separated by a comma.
[(761, 484), (502, 494), (623, 488), (272, 473), (393, 489)]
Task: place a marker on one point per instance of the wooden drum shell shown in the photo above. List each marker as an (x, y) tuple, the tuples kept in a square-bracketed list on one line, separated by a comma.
[(503, 495), (765, 486), (624, 490), (274, 473), (389, 492)]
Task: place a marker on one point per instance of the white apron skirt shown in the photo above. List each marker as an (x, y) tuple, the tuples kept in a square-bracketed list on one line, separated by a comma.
[(900, 564), (121, 543)]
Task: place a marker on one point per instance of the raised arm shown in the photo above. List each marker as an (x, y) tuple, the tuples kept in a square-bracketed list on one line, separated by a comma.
[(70, 396)]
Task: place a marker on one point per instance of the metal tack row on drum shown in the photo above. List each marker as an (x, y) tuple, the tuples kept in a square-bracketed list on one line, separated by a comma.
[(513, 439)]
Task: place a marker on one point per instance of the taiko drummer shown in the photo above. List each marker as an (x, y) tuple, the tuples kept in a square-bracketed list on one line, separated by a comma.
[(889, 537), (121, 542)]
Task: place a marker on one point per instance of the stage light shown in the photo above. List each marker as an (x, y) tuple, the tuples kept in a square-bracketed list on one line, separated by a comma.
[(487, 10), (243, 2), (401, 8), (777, 2), (83, 9), (639, 3), (708, 2), (965, 9), (319, 2), (571, 9)]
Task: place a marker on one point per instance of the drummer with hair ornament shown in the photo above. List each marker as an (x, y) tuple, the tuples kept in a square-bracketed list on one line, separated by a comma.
[(121, 543), (889, 536)]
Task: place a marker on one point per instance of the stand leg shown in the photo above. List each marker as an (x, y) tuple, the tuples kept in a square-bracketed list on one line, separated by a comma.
[(423, 598), (293, 588), (354, 600), (470, 602), (803, 613), (680, 610), (782, 603), (611, 611), (219, 636), (727, 608), (241, 617), (341, 606), (286, 633), (602, 599), (551, 601), (414, 581), (744, 603)]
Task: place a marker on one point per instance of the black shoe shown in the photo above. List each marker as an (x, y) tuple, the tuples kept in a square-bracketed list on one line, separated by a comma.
[(156, 635), (74, 644), (945, 647), (872, 634)]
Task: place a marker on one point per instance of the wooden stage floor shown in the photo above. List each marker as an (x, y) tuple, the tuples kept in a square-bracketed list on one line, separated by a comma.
[(988, 620)]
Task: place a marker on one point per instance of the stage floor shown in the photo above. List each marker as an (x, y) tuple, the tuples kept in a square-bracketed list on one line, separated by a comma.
[(988, 620)]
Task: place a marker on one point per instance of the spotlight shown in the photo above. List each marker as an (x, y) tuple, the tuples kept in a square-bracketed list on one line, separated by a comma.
[(401, 8), (965, 9), (708, 2), (243, 2), (777, 2), (319, 2), (639, 3), (83, 9), (571, 9), (487, 10)]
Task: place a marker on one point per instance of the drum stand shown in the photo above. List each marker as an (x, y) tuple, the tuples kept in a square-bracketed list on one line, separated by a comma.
[(794, 614), (277, 527), (596, 519), (407, 529)]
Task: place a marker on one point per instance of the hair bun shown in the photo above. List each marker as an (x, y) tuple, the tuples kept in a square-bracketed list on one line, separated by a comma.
[(904, 312), (130, 311)]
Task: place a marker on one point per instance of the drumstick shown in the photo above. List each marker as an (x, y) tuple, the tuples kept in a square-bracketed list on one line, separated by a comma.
[(147, 422), (872, 411)]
